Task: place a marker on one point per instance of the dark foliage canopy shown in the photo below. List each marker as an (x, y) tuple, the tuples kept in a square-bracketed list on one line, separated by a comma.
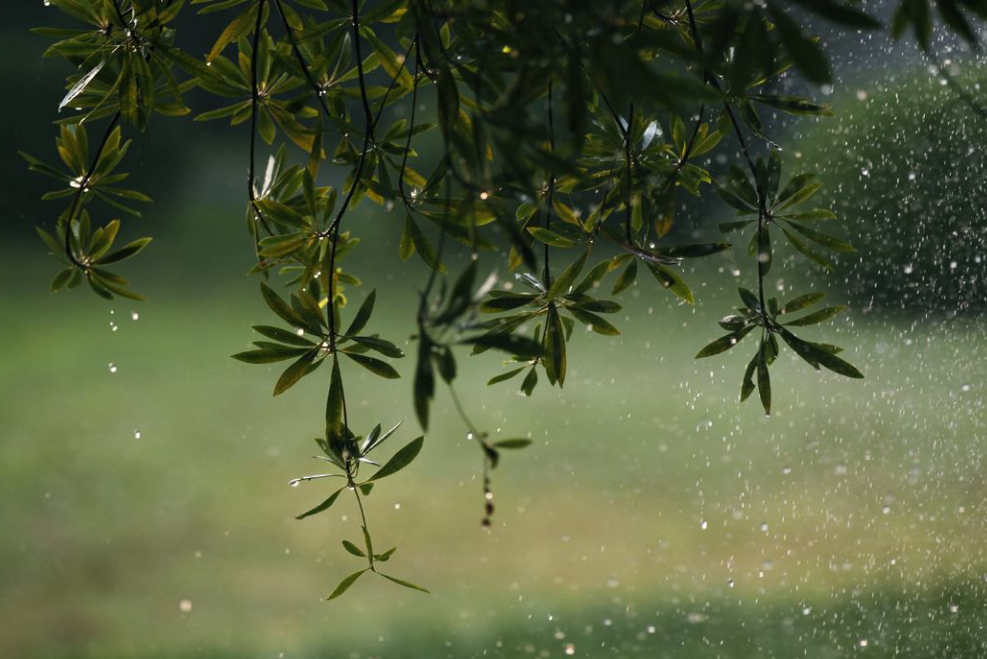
[(564, 124)]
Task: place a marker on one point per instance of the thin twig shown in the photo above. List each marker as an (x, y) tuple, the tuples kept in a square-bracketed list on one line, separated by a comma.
[(630, 173), (254, 109), (411, 126), (551, 186), (761, 197)]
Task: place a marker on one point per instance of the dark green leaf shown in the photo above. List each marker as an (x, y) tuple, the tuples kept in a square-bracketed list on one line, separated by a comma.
[(353, 549), (406, 584), (362, 315), (401, 459), (376, 366), (817, 317), (345, 584), (512, 443), (325, 505)]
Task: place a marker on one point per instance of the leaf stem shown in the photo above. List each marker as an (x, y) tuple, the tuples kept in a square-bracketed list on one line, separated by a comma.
[(761, 197), (254, 108), (363, 516)]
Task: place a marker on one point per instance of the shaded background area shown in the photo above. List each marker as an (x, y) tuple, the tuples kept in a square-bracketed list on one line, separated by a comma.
[(143, 474)]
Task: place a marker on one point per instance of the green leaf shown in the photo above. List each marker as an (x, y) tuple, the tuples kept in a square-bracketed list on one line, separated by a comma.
[(530, 382), (406, 584), (345, 584), (820, 355), (626, 278), (593, 277), (268, 356), (334, 403), (747, 387), (564, 281), (512, 443), (723, 343), (596, 323), (282, 335), (362, 315), (389, 60), (62, 279), (400, 460), (503, 377), (797, 190), (129, 250), (238, 27), (555, 364), (294, 373), (506, 302), (376, 366), (407, 245), (276, 247), (749, 298), (368, 542), (764, 380), (728, 227), (672, 281), (385, 348), (808, 252), (794, 105), (376, 439), (817, 317), (824, 239), (383, 558), (325, 505), (424, 386), (801, 302), (50, 241), (513, 344), (353, 549), (276, 304), (423, 246), (550, 238)]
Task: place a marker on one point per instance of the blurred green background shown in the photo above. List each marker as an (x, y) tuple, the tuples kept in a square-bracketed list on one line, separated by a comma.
[(143, 474)]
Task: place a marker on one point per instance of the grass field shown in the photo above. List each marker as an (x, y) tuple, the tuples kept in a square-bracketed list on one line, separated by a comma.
[(653, 517)]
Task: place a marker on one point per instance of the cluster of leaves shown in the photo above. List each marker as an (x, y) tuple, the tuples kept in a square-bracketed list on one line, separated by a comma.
[(445, 320), (311, 341), (83, 251), (563, 126), (348, 452), (780, 210), (772, 325)]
